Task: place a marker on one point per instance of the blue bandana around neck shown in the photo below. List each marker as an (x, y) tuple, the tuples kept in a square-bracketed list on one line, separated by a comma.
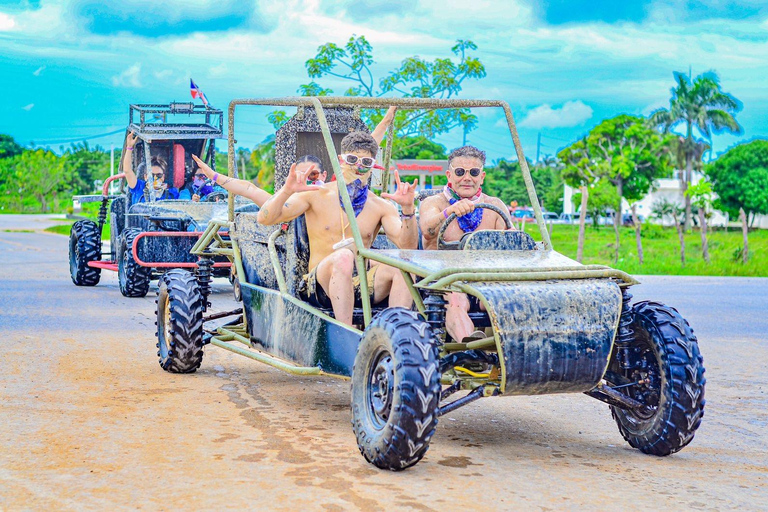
[(358, 194), (471, 221)]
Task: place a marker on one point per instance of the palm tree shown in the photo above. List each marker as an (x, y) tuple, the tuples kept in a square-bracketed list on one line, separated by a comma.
[(699, 104)]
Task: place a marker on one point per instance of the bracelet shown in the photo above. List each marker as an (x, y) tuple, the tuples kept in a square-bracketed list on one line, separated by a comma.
[(128, 149), (215, 177), (445, 214), (407, 216)]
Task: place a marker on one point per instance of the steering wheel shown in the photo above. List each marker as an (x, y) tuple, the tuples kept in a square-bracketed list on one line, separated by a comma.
[(214, 197), (442, 244)]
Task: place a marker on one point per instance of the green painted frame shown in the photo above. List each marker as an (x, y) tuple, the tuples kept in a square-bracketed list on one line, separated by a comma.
[(445, 280)]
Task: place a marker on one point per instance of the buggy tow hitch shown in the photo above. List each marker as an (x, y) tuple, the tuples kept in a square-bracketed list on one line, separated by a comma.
[(475, 394)]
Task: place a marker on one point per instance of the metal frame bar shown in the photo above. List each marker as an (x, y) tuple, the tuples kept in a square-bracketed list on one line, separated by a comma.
[(447, 279)]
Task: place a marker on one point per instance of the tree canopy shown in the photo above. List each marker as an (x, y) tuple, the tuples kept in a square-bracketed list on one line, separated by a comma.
[(740, 178)]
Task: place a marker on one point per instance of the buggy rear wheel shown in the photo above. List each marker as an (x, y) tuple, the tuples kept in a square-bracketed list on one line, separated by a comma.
[(395, 389), (664, 362), (179, 322), (84, 246), (132, 277)]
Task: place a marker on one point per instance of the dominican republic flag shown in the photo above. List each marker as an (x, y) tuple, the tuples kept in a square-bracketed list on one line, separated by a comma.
[(197, 93)]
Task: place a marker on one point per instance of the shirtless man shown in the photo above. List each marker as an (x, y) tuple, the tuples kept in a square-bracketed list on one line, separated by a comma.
[(465, 177), (308, 164), (331, 280)]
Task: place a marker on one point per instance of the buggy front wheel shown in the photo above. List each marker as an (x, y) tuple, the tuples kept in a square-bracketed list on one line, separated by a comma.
[(84, 247), (179, 322), (395, 389), (663, 369)]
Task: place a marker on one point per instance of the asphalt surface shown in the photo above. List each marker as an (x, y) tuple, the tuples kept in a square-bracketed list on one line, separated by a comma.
[(90, 421)]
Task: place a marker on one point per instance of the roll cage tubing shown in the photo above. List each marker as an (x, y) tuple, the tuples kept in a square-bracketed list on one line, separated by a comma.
[(411, 104)]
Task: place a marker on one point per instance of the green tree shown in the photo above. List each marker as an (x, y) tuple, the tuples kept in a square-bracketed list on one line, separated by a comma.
[(701, 198), (505, 180), (740, 179), (42, 174), (86, 167), (580, 171), (415, 78), (8, 147), (697, 104), (630, 155)]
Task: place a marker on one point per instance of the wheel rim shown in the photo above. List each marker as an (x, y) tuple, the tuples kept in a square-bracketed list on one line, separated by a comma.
[(380, 389), (645, 369)]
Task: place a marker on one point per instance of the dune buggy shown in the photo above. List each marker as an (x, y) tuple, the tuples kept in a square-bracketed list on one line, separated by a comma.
[(552, 325), (148, 238)]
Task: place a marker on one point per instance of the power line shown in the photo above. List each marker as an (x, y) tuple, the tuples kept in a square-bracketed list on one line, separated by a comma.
[(78, 139)]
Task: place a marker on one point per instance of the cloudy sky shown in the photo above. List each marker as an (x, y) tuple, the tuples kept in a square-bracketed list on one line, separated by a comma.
[(69, 68)]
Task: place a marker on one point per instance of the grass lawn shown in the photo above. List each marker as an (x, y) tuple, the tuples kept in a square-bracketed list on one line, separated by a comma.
[(64, 229), (661, 250)]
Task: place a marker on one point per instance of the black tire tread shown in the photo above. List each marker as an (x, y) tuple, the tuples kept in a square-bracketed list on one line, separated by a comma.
[(185, 354), (403, 443), (86, 237), (682, 404), (133, 278)]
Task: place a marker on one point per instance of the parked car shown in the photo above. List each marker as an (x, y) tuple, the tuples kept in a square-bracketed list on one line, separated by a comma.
[(573, 218)]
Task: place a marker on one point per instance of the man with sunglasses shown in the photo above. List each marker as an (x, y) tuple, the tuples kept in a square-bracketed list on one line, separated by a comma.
[(331, 281), (464, 190), (142, 190)]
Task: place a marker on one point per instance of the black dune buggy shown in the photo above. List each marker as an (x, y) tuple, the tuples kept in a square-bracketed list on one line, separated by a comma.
[(148, 238), (552, 325)]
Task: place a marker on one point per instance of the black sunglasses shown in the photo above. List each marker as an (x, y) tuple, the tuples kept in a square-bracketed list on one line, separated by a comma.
[(474, 172)]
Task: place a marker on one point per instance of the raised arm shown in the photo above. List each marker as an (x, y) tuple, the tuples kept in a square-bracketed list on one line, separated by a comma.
[(240, 187), (130, 175), (381, 128), (401, 229), (278, 208)]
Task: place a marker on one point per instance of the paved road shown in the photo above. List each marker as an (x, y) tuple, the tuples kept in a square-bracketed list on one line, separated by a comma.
[(90, 421)]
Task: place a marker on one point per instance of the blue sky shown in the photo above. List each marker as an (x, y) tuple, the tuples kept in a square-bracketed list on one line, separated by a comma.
[(70, 68)]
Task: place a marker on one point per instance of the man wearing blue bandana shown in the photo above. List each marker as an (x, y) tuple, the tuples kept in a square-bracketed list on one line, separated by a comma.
[(331, 281), (464, 190)]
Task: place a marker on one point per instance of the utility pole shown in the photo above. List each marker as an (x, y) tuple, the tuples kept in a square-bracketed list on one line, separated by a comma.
[(112, 160), (538, 147)]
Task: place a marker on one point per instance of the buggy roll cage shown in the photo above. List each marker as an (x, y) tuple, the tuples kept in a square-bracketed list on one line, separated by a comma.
[(443, 280)]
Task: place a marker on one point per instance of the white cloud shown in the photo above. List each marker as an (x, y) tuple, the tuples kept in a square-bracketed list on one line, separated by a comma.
[(163, 75), (572, 113), (38, 71), (6, 22), (28, 107), (220, 70), (128, 78)]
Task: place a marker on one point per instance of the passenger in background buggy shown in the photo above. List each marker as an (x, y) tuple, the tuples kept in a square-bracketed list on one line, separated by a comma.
[(144, 190), (197, 188)]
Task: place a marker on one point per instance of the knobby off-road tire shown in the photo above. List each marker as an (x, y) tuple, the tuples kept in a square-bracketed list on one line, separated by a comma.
[(84, 246), (665, 341), (132, 277), (179, 322), (395, 389)]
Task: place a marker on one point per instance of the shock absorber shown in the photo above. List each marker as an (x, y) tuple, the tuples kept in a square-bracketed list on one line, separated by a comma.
[(434, 308), (204, 278), (626, 334), (103, 212)]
